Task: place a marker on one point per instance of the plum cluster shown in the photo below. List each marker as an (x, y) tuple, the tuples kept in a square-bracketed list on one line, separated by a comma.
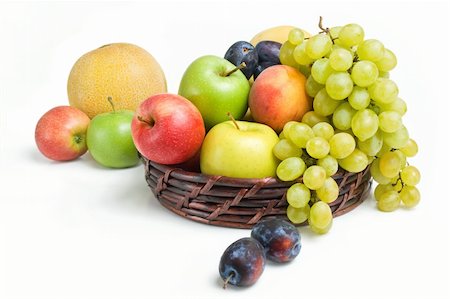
[(243, 262), (256, 58)]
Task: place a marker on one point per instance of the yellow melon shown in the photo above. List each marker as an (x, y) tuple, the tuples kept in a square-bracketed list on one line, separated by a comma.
[(125, 72), (277, 34)]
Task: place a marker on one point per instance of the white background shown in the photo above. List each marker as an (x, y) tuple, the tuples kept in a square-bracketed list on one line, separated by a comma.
[(77, 230)]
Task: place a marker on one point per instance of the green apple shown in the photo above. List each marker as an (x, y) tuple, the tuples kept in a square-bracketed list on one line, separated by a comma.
[(239, 149), (109, 139), (215, 87)]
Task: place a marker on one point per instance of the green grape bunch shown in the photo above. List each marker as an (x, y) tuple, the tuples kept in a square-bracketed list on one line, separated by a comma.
[(356, 122)]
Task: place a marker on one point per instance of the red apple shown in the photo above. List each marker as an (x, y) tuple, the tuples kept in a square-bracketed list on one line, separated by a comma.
[(167, 129), (61, 133), (279, 95)]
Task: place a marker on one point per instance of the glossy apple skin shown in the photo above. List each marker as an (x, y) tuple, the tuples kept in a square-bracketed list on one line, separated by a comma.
[(168, 129), (279, 95), (109, 139), (204, 84), (60, 133), (240, 153)]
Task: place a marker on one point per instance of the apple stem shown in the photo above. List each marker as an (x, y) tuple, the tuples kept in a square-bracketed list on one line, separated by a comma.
[(239, 67), (148, 122), (225, 283), (233, 120), (112, 104)]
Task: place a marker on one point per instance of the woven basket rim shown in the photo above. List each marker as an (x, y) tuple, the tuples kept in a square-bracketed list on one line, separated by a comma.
[(198, 177)]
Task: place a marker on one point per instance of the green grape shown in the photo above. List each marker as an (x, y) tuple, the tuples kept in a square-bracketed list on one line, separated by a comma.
[(410, 175), (351, 35), (388, 62), (312, 87), (324, 130), (388, 201), (390, 121), (385, 75), (390, 164), (323, 104), (291, 168), (372, 145), (311, 118), (334, 34), (339, 85), (397, 139), (385, 148), (287, 54), (318, 230), (321, 70), (314, 177), (364, 73), (300, 55), (398, 105), (410, 196), (340, 59), (376, 173), (342, 145), (305, 70), (298, 195), (402, 158), (359, 98), (330, 164), (329, 192), (364, 124), (285, 149), (370, 49), (410, 149), (357, 161), (298, 215), (320, 215), (318, 46), (380, 189), (282, 135), (383, 91), (342, 116), (299, 134), (296, 36), (317, 147)]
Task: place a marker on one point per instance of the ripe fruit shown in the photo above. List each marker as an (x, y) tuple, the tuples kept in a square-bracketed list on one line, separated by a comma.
[(215, 88), (240, 52), (109, 139), (125, 72), (60, 133), (278, 96), (168, 129), (280, 239), (242, 263), (240, 150)]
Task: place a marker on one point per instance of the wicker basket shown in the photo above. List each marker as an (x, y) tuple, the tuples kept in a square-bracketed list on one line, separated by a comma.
[(239, 203)]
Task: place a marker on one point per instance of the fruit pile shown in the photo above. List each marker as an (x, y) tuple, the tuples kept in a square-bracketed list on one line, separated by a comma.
[(298, 108)]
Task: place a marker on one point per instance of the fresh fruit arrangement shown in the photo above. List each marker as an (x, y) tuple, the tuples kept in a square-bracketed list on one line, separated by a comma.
[(289, 126)]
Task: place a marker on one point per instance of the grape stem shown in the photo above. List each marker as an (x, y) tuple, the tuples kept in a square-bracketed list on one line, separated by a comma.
[(324, 30)]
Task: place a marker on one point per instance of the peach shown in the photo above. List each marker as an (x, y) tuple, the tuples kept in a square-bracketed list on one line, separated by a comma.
[(278, 96)]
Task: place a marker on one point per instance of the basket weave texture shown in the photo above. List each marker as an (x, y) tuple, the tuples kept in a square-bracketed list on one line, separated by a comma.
[(239, 203)]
